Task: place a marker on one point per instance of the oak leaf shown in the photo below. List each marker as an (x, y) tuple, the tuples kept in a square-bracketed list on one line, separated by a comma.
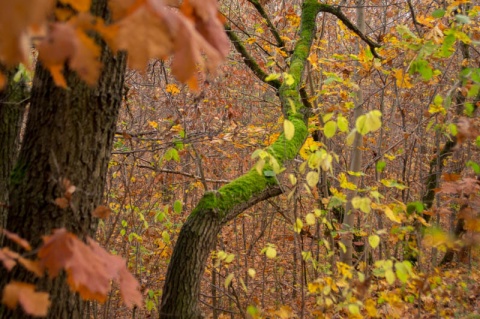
[(89, 267), (33, 303)]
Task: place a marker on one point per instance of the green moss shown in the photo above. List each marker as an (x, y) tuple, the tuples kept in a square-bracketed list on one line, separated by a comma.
[(18, 173), (247, 186)]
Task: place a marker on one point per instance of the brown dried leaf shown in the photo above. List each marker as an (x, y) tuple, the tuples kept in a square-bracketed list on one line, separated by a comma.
[(89, 267), (128, 284), (145, 32), (62, 202), (33, 303), (102, 212), (8, 258), (17, 239)]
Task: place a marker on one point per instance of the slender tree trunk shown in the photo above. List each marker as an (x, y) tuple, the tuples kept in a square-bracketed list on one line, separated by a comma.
[(356, 156), (13, 100), (68, 136)]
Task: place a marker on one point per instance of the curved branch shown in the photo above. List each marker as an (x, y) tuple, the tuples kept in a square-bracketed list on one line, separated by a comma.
[(249, 60), (270, 25)]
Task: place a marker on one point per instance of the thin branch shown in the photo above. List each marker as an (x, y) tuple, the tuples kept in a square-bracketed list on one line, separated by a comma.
[(249, 60), (335, 10), (160, 170), (270, 25)]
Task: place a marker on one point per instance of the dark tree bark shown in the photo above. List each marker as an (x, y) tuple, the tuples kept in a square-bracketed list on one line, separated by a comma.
[(13, 100), (68, 135)]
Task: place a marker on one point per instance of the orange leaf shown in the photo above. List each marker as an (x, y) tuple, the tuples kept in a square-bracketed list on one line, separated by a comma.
[(101, 212), (18, 240), (32, 266), (33, 303), (79, 5), (89, 267), (3, 81)]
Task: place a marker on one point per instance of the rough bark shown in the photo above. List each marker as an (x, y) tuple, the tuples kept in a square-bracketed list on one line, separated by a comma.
[(68, 135), (13, 100), (215, 209)]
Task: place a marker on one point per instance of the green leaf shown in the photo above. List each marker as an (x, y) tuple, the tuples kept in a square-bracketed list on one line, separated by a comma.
[(401, 271), (390, 276), (374, 241), (289, 129), (342, 123), (354, 309), (380, 166), (360, 125), (330, 129), (474, 166), (439, 13), (177, 206), (272, 77), (172, 154), (269, 173)]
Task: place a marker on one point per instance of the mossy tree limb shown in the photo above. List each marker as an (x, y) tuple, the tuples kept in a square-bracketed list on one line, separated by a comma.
[(199, 233)]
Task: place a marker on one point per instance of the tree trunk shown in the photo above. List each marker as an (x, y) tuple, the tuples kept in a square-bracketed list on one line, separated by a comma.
[(356, 156), (215, 209), (68, 136), (13, 100)]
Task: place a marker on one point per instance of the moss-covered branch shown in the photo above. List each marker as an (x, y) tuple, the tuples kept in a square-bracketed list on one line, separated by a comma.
[(270, 25), (199, 233), (335, 10)]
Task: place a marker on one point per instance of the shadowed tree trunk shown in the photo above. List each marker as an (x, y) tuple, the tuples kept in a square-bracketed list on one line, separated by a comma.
[(68, 136), (13, 100)]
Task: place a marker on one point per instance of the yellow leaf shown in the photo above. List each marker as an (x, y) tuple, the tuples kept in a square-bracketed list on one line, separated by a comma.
[(310, 219), (297, 227), (344, 183), (289, 129), (391, 215), (271, 252), (172, 89), (402, 79), (251, 272), (228, 280), (362, 203), (374, 241), (312, 178)]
